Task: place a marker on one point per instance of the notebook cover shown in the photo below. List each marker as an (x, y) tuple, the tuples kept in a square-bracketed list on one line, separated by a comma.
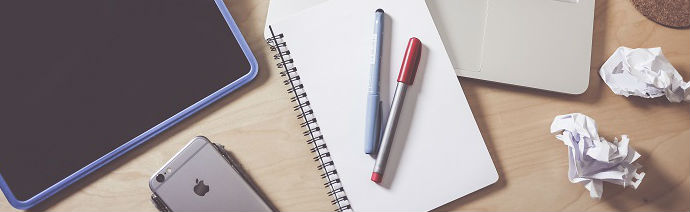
[(438, 154)]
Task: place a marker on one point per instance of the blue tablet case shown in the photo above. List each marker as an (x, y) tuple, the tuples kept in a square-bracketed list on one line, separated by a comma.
[(149, 133)]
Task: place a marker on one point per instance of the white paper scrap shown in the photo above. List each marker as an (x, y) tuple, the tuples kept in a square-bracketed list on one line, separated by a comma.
[(645, 73), (592, 159)]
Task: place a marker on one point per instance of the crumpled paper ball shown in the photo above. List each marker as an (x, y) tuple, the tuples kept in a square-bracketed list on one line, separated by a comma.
[(591, 159), (645, 73)]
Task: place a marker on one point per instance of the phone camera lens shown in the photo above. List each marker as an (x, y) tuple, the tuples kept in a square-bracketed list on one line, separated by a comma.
[(160, 178)]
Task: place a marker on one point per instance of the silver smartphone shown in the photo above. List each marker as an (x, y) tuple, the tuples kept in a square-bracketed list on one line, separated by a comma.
[(204, 177)]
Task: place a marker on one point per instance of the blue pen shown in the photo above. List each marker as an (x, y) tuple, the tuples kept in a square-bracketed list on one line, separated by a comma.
[(373, 116)]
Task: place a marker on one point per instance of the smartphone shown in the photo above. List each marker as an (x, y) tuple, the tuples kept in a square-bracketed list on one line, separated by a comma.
[(203, 176)]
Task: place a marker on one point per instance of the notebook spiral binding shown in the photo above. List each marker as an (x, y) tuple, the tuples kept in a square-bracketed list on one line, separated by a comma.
[(308, 121)]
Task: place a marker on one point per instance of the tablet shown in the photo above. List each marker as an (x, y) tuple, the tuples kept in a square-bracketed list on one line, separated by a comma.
[(84, 81)]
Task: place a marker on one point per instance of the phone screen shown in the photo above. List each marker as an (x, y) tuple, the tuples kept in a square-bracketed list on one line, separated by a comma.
[(79, 78)]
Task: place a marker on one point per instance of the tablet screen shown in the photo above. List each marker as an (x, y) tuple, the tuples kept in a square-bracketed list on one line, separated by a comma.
[(80, 78)]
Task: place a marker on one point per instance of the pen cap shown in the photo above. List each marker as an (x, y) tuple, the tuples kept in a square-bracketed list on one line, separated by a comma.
[(410, 61)]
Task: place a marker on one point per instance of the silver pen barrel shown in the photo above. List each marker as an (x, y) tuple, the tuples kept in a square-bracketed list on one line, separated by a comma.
[(405, 78), (389, 131)]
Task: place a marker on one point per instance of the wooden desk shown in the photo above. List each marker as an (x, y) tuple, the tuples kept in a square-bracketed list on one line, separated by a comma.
[(258, 125)]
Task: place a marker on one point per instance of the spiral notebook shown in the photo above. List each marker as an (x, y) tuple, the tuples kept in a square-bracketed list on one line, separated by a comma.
[(438, 154)]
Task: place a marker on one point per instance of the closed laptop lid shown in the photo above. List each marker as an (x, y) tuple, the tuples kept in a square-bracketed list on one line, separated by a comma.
[(544, 44)]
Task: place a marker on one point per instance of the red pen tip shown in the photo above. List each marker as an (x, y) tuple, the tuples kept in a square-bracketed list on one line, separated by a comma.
[(376, 177)]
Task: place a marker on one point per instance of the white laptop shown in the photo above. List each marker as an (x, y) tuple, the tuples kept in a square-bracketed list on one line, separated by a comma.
[(543, 44)]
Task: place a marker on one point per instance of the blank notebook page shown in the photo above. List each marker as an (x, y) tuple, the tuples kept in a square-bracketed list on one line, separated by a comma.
[(438, 154)]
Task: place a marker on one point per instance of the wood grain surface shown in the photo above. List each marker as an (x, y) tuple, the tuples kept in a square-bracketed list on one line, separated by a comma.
[(258, 125)]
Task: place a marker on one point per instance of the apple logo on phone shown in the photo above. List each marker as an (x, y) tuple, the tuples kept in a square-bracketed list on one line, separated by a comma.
[(200, 188)]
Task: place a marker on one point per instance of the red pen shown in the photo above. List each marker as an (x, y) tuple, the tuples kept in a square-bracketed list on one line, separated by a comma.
[(405, 79)]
